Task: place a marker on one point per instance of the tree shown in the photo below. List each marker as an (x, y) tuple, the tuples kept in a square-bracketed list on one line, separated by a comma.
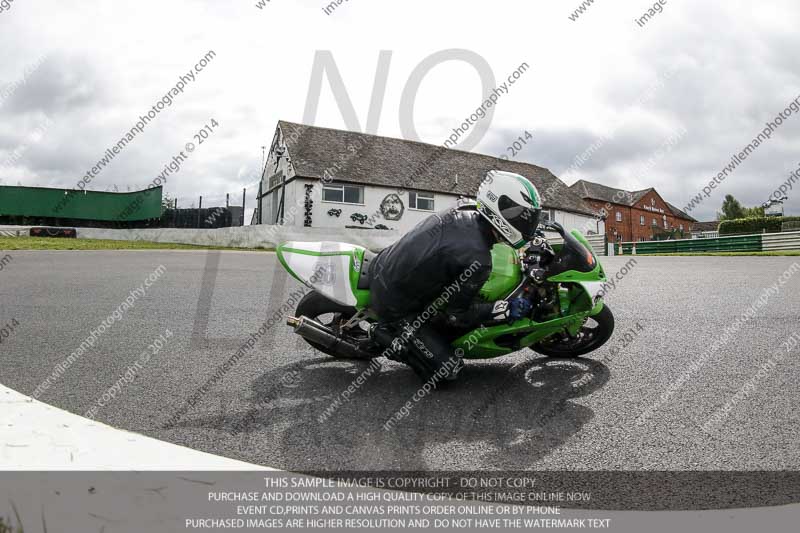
[(753, 212), (731, 209), (166, 202)]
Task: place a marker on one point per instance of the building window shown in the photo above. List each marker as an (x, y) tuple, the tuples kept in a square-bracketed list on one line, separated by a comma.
[(619, 216), (681, 226), (641, 220), (666, 224), (547, 215), (343, 194), (422, 201), (655, 222)]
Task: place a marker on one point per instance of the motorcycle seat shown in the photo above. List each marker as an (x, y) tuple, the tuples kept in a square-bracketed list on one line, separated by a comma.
[(365, 276)]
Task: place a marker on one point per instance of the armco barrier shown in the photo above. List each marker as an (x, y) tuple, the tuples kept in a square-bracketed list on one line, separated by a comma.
[(263, 236), (789, 240), (747, 243), (259, 236), (598, 243), (15, 231), (738, 243)]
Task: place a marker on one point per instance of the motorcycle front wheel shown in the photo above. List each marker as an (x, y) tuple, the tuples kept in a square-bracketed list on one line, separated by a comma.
[(594, 333)]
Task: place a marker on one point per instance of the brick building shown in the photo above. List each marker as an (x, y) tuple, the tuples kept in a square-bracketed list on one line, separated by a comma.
[(635, 215)]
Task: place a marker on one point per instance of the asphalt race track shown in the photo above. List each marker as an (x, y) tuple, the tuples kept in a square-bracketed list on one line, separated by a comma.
[(519, 412)]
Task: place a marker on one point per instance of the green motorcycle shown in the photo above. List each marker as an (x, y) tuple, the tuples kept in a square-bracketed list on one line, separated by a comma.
[(563, 282)]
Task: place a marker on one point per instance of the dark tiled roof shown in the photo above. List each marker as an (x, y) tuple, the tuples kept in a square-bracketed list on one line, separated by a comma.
[(682, 214), (596, 191), (706, 226), (414, 165)]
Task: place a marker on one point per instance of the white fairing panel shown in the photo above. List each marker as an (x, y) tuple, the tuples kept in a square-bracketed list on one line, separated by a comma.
[(323, 266), (594, 288)]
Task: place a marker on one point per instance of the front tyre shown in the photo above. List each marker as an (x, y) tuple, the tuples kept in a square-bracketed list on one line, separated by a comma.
[(594, 333)]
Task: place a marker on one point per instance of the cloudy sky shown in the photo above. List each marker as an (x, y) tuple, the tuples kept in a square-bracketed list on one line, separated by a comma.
[(665, 105)]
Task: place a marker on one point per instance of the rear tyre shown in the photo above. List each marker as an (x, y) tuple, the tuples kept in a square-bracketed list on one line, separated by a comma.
[(330, 314), (594, 333)]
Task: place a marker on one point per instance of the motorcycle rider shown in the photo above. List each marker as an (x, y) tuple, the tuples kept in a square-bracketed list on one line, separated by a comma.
[(440, 266)]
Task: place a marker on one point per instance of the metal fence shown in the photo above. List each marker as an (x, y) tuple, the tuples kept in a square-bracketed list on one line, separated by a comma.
[(793, 225), (738, 243), (789, 240), (598, 243), (707, 235)]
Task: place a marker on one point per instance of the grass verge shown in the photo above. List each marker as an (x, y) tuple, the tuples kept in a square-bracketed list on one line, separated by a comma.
[(48, 243)]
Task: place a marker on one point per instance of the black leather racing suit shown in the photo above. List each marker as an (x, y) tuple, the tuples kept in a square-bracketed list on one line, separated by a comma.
[(438, 266)]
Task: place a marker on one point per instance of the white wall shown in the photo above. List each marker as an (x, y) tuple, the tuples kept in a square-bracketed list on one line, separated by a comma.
[(272, 166), (583, 223), (254, 236), (257, 236), (373, 197), (294, 211)]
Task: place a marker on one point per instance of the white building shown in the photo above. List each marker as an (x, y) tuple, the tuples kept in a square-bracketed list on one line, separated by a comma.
[(319, 177)]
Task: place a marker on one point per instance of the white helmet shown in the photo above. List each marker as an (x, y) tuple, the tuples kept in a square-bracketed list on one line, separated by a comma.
[(511, 204)]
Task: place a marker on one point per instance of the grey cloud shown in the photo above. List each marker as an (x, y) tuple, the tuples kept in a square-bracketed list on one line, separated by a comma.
[(724, 86), (731, 74), (60, 83)]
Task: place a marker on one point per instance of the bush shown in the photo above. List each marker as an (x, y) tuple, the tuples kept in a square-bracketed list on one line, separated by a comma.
[(754, 225), (8, 528)]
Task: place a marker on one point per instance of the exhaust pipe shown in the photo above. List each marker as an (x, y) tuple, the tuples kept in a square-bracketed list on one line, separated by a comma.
[(318, 334)]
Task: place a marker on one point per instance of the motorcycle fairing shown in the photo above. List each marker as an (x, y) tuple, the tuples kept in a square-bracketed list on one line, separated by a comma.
[(330, 268), (580, 296)]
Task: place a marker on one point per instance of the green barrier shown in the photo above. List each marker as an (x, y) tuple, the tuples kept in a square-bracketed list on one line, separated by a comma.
[(746, 243), (76, 204)]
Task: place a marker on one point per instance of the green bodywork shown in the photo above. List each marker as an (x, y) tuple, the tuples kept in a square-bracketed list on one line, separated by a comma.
[(576, 306), (575, 302), (506, 273)]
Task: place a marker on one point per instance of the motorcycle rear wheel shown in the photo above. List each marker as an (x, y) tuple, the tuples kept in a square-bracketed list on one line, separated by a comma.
[(594, 333)]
